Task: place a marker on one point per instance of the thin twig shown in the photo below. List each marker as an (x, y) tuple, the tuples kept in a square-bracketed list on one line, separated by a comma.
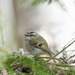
[(70, 53), (60, 68), (70, 57), (65, 47), (65, 65)]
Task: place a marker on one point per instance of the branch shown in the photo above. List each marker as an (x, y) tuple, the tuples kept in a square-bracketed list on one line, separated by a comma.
[(71, 57), (66, 46), (65, 65)]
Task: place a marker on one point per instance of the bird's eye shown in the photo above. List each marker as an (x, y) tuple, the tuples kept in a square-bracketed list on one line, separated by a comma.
[(31, 35)]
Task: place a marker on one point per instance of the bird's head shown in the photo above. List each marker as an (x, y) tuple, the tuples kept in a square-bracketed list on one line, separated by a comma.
[(31, 35)]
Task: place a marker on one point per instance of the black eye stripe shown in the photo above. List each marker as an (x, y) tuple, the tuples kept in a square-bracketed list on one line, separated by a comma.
[(31, 35), (28, 35)]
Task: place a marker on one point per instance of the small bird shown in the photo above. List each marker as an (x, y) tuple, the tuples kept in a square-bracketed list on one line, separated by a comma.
[(36, 44)]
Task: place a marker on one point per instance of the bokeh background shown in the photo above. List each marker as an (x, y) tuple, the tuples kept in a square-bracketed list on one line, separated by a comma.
[(53, 19)]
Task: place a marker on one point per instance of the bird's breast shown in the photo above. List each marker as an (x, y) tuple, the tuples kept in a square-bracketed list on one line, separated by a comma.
[(32, 50)]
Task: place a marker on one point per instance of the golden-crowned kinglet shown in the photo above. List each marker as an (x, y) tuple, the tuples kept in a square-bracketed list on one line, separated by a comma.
[(36, 44)]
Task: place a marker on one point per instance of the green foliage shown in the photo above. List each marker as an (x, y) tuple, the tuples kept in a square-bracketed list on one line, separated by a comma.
[(22, 65), (71, 71), (35, 2), (3, 56), (17, 62), (50, 1)]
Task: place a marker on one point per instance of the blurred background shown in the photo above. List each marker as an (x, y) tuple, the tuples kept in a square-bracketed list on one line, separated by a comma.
[(53, 19)]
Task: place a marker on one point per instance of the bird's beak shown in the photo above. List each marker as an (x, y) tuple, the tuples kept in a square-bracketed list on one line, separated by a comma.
[(26, 34), (27, 37)]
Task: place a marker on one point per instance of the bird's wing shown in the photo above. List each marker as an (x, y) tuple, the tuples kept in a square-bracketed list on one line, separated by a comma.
[(41, 46)]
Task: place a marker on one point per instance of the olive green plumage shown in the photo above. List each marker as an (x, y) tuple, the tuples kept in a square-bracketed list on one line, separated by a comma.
[(36, 44)]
